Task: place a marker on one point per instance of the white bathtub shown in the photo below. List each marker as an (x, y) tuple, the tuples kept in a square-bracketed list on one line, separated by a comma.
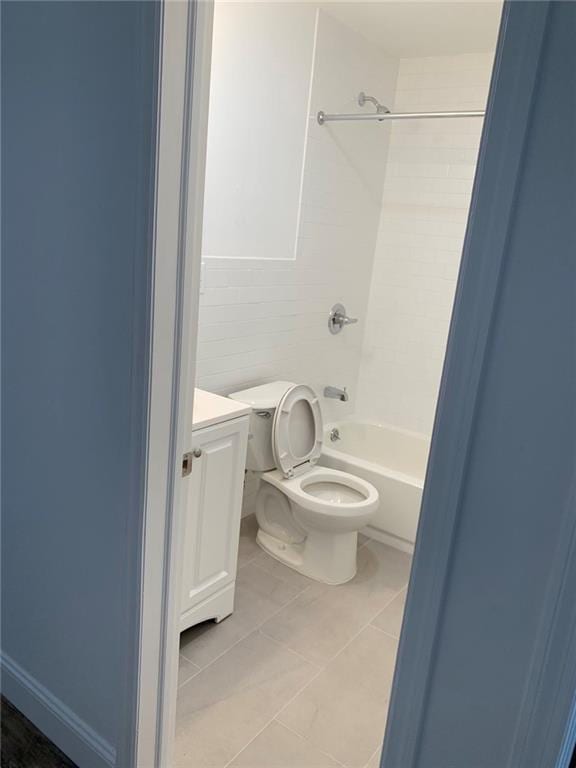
[(391, 459)]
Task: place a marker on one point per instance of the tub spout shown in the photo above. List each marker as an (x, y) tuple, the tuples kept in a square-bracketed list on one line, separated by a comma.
[(336, 393)]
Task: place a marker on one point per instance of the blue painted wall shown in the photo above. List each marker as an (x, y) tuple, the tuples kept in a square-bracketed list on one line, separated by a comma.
[(523, 455), (78, 123), (516, 507)]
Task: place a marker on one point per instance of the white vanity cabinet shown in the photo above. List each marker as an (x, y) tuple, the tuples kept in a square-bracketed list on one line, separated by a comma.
[(211, 527)]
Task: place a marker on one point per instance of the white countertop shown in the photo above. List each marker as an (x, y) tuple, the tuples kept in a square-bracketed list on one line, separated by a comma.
[(213, 409)]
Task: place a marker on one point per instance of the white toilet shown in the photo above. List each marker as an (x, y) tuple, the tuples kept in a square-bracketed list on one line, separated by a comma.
[(308, 516)]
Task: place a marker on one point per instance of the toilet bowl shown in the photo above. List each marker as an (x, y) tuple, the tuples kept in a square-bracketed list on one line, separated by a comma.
[(308, 516), (330, 507)]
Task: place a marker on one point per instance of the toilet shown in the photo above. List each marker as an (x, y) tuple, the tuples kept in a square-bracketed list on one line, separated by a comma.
[(308, 516)]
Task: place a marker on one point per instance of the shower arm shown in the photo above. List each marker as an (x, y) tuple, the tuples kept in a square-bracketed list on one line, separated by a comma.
[(380, 108)]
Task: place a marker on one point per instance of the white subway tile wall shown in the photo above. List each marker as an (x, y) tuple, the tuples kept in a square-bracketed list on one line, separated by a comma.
[(426, 198), (266, 319), (384, 211)]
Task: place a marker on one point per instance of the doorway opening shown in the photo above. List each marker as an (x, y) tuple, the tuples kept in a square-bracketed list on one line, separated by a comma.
[(341, 149)]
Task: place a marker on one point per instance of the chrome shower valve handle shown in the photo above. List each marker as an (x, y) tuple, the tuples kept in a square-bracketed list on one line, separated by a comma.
[(338, 318)]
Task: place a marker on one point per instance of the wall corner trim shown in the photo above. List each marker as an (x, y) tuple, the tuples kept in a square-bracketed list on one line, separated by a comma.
[(63, 726)]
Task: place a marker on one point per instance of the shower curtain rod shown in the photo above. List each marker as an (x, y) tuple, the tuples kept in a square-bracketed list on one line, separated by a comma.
[(322, 117)]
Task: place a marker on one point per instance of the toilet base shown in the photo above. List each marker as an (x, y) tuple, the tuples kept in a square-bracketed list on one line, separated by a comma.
[(326, 557)]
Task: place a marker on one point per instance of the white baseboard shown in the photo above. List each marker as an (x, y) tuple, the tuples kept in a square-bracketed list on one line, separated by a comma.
[(58, 722), (387, 538)]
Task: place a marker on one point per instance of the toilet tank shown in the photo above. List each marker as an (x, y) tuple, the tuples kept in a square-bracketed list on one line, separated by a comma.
[(263, 401)]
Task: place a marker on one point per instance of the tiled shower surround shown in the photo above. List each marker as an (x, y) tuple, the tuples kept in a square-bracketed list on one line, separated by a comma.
[(384, 210), (427, 188), (266, 319)]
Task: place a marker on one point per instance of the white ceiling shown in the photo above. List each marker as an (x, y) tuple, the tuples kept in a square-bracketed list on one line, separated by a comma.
[(426, 28)]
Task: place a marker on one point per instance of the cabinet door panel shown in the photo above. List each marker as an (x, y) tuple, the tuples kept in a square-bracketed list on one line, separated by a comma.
[(213, 510)]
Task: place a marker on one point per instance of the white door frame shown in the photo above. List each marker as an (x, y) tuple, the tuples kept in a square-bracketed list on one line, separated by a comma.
[(184, 80), (183, 111)]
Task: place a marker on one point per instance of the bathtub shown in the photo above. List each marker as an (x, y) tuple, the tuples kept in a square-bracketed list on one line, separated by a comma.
[(391, 459)]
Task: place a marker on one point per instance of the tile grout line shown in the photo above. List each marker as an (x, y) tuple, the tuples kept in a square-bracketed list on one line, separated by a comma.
[(258, 627), (383, 631), (248, 562), (376, 752), (188, 660), (306, 685), (320, 669), (389, 603), (283, 725), (333, 658), (255, 628), (196, 667), (285, 647), (256, 564), (383, 608)]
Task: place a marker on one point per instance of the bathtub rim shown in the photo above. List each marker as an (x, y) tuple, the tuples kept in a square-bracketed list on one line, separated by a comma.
[(372, 466)]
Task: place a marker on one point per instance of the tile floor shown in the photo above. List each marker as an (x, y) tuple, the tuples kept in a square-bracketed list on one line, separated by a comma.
[(299, 676)]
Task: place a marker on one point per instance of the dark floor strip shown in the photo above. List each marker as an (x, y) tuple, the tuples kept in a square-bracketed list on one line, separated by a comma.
[(24, 746)]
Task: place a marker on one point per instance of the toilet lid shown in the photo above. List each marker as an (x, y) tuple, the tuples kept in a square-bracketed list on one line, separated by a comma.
[(297, 430)]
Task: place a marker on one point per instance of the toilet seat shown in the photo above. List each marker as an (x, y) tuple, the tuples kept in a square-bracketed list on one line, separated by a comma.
[(297, 431), (295, 489)]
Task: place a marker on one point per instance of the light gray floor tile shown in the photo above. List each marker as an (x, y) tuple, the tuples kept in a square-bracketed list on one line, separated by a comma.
[(374, 762), (343, 711), (277, 747), (323, 619), (247, 547), (269, 563), (259, 594), (185, 669), (223, 707), (281, 571), (390, 618)]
